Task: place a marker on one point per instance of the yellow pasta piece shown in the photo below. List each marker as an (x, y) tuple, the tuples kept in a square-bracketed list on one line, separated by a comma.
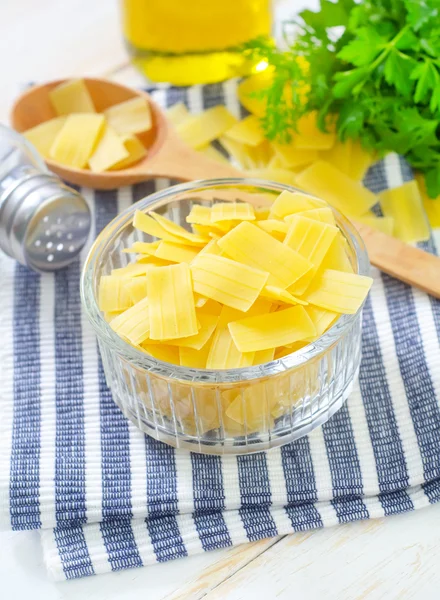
[(209, 306), (137, 288), (270, 331), (77, 139), (134, 323), (322, 319), (136, 150), (72, 97), (350, 158), (339, 156), (283, 351), (276, 228), (211, 248), (278, 175), (176, 252), (201, 215), (280, 296), (109, 316), (152, 261), (261, 306), (200, 301), (338, 291), (261, 213), (311, 239), (132, 270), (324, 215), (130, 117), (178, 113), (208, 323), (143, 248), (200, 219), (252, 246), (291, 157), (431, 205), (195, 359), (346, 195), (213, 153), (42, 136), (247, 131), (360, 161), (248, 92), (199, 130), (171, 302), (223, 353), (384, 224), (404, 204), (264, 356), (149, 225), (260, 155), (227, 281), (179, 232), (164, 352), (230, 211), (237, 151), (109, 151), (310, 137), (113, 294), (289, 203), (337, 257)]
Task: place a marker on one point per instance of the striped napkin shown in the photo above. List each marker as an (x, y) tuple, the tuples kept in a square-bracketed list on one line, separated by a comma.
[(105, 497)]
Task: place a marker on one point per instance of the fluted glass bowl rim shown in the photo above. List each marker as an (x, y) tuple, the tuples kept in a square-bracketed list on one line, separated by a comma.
[(104, 241)]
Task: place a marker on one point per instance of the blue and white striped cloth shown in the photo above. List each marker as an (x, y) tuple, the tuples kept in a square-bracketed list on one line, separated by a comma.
[(106, 497)]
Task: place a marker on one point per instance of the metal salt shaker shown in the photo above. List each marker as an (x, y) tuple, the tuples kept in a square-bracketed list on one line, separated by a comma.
[(43, 223)]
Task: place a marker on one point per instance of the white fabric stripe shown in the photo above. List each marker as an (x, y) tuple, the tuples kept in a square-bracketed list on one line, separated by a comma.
[(374, 507), (430, 341), (232, 102), (138, 469), (195, 99), (96, 547), (362, 440), (125, 198), (162, 183), (159, 96), (237, 532), (143, 542), (321, 466), (231, 483), (7, 269), (189, 534), (48, 400), (393, 172), (277, 479), (394, 378), (92, 428), (184, 482), (52, 558)]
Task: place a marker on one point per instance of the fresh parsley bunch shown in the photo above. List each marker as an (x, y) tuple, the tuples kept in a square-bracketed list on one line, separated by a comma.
[(376, 65)]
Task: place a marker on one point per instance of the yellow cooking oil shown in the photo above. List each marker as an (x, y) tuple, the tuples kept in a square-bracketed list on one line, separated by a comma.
[(185, 42)]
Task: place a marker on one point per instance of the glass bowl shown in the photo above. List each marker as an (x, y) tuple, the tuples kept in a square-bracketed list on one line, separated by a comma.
[(280, 401)]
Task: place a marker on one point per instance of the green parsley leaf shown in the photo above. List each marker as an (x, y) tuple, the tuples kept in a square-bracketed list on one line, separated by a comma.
[(364, 49), (398, 71)]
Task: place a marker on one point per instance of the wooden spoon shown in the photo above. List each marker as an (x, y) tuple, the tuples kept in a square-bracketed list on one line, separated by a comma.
[(169, 157)]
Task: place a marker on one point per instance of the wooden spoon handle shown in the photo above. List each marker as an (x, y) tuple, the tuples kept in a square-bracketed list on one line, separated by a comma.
[(409, 264)]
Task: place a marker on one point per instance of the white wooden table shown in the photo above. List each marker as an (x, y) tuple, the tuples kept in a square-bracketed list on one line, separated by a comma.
[(397, 557)]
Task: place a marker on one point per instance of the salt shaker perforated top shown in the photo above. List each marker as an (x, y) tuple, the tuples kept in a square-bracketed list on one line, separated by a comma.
[(43, 223)]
